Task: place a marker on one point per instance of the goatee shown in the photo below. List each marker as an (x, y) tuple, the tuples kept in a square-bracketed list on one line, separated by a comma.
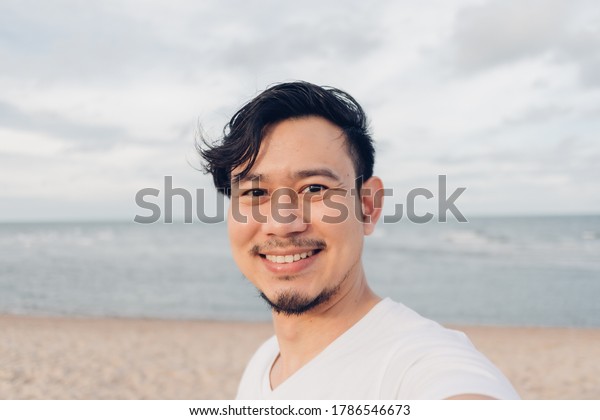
[(292, 303)]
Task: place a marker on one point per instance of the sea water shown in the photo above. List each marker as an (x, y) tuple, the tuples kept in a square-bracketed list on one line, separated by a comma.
[(522, 271)]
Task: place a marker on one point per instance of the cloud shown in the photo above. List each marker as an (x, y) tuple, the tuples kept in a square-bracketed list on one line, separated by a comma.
[(538, 115), (570, 158), (99, 99), (83, 136), (298, 36), (498, 33), (72, 42), (99, 43), (583, 48)]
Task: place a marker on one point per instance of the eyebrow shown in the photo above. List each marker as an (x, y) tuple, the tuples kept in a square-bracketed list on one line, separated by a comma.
[(324, 172), (304, 173), (238, 179)]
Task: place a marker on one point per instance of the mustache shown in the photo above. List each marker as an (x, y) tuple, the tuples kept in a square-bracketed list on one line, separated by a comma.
[(289, 243)]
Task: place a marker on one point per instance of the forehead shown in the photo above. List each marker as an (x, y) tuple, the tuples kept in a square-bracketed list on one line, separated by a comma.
[(294, 145)]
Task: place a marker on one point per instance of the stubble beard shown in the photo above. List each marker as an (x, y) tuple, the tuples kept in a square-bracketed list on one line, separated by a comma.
[(293, 303)]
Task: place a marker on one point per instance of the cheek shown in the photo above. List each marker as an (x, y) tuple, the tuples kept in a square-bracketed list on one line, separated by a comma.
[(341, 218), (240, 232), (334, 210)]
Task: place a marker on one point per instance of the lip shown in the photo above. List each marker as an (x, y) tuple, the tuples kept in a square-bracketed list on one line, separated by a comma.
[(292, 267)]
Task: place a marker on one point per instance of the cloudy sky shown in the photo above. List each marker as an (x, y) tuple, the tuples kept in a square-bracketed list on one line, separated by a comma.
[(101, 99)]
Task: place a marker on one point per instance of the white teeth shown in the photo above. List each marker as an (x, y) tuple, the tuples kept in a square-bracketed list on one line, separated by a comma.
[(281, 259)]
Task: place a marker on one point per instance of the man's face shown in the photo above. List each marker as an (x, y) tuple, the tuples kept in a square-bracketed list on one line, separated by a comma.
[(292, 221)]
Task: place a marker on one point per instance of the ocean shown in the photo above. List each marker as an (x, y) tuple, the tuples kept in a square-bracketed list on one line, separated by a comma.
[(517, 271)]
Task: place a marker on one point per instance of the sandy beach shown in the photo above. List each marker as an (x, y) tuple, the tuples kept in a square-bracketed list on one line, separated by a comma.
[(58, 358)]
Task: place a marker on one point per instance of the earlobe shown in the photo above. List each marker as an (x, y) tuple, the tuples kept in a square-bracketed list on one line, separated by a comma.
[(372, 203)]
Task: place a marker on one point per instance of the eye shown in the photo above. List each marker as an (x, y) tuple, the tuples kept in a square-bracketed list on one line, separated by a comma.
[(314, 189), (255, 192)]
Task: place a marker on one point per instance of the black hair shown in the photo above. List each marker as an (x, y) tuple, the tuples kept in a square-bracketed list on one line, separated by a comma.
[(243, 135)]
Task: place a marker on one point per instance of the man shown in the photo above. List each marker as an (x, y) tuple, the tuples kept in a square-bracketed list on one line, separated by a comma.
[(297, 163)]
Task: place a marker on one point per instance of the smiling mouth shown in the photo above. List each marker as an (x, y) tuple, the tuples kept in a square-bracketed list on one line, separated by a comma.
[(289, 258)]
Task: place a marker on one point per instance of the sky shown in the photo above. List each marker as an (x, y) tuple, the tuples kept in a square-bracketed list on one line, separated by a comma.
[(99, 100)]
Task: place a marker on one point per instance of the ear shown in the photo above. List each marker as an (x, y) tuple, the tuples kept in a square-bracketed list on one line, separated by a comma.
[(371, 195)]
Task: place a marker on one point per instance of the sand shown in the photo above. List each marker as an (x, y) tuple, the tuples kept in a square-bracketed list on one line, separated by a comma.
[(57, 358)]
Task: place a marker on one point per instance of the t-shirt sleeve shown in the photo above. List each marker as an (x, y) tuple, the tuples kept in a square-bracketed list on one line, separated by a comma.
[(445, 365)]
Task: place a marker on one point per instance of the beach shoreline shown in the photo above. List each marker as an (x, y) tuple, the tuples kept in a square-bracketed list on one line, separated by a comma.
[(110, 358)]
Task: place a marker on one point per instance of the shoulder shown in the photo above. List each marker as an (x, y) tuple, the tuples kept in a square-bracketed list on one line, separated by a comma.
[(429, 361), (404, 324)]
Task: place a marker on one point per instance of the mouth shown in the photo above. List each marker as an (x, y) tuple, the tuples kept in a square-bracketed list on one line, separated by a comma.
[(289, 258)]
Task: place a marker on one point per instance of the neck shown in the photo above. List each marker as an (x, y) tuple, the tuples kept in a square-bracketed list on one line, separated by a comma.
[(302, 337)]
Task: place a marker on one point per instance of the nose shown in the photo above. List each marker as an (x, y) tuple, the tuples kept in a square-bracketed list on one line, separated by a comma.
[(285, 216)]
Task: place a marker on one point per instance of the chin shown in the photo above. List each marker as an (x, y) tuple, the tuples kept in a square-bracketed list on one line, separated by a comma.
[(296, 303)]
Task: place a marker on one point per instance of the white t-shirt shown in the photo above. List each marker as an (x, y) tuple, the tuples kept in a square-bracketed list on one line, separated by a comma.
[(391, 353)]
